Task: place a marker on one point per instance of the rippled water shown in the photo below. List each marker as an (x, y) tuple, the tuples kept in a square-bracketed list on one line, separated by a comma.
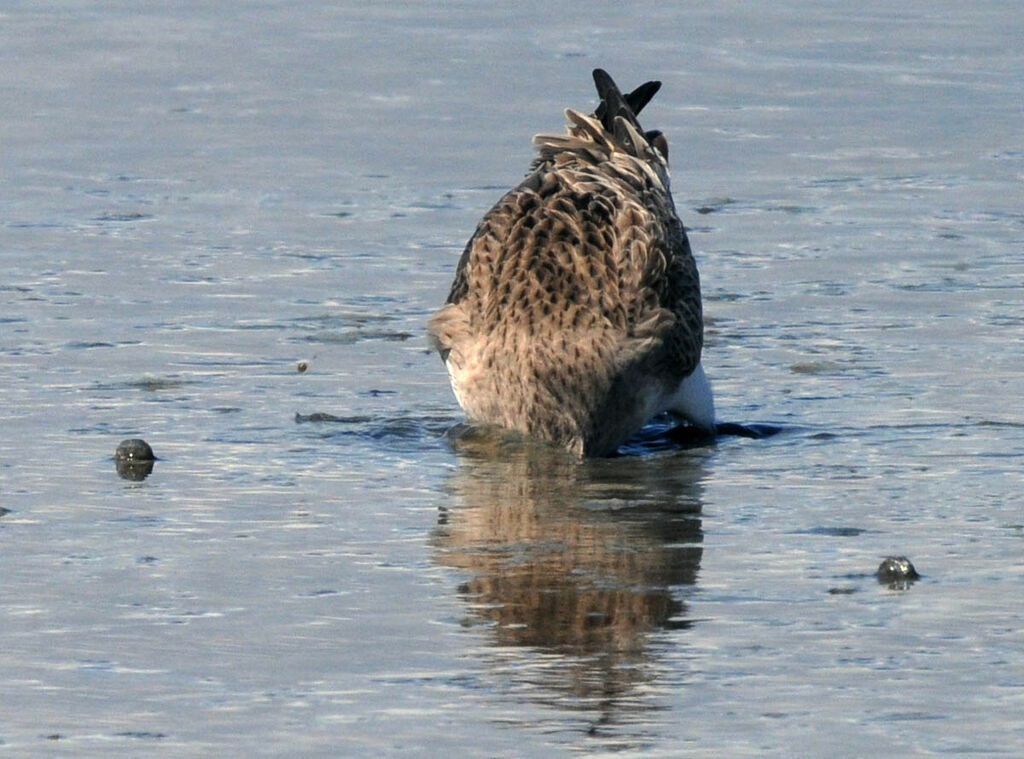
[(196, 200)]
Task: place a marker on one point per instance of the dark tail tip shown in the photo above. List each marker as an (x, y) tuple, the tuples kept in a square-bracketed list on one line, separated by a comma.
[(614, 103)]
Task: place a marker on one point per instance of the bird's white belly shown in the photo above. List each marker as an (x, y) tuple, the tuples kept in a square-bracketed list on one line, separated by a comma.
[(693, 400)]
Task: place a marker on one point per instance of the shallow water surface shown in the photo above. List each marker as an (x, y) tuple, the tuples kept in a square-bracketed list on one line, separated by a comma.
[(223, 229)]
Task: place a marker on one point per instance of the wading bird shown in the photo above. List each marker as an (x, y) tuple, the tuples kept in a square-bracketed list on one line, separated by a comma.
[(575, 315)]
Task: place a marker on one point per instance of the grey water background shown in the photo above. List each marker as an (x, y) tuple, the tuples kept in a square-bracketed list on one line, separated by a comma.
[(198, 196)]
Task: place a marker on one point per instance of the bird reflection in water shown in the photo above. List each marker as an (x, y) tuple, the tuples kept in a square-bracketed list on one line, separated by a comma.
[(580, 561)]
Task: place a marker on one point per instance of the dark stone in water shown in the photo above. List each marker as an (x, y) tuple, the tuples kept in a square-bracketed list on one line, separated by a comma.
[(134, 459), (897, 572), (321, 416), (134, 449), (318, 416)]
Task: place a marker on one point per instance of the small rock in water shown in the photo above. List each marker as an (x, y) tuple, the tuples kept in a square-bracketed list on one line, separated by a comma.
[(134, 449), (897, 572), (134, 459)]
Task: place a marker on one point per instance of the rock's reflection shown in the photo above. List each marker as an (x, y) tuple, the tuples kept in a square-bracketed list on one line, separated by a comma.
[(582, 560)]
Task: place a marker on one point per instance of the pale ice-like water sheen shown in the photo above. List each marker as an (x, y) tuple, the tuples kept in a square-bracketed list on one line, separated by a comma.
[(198, 196)]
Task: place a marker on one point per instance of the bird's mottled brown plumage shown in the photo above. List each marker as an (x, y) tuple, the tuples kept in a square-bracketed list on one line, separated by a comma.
[(575, 314)]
